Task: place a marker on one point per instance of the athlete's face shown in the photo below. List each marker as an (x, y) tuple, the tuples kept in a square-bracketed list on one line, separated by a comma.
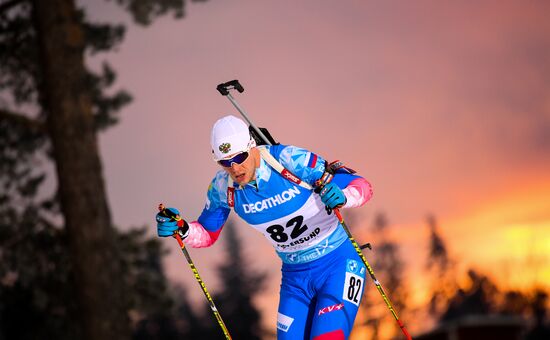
[(246, 171)]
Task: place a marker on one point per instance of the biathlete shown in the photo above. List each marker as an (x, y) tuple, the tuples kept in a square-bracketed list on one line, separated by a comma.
[(322, 274)]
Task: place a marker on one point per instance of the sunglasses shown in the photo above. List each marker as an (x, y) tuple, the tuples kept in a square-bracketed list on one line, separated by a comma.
[(238, 159)]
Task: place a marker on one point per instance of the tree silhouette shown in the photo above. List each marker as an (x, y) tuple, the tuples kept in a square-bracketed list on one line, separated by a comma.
[(539, 307), (440, 267), (389, 269), (514, 303), (240, 286), (477, 299), (36, 281), (38, 285), (480, 296), (172, 318), (51, 107)]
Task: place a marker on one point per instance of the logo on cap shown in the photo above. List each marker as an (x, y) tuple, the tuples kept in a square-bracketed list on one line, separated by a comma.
[(225, 147)]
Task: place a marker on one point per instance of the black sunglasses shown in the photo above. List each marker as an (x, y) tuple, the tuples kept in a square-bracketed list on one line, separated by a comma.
[(238, 159)]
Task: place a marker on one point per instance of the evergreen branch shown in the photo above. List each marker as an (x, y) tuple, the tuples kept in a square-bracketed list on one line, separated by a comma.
[(6, 6), (21, 120)]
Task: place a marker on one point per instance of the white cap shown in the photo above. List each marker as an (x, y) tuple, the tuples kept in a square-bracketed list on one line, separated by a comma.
[(229, 136)]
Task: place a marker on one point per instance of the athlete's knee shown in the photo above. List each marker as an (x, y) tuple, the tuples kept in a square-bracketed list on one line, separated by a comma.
[(332, 335)]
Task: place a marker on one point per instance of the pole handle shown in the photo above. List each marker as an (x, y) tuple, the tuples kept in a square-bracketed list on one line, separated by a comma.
[(168, 213), (224, 88)]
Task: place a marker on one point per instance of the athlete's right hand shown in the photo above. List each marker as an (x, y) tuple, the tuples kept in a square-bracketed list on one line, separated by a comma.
[(169, 222)]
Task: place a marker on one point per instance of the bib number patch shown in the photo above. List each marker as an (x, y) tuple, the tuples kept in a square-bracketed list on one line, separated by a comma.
[(353, 285), (277, 231)]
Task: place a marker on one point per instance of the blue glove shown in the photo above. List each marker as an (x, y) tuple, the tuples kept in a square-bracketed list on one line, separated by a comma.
[(332, 196), (170, 222)]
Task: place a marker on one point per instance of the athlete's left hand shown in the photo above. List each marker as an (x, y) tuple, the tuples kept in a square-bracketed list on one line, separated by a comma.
[(332, 196)]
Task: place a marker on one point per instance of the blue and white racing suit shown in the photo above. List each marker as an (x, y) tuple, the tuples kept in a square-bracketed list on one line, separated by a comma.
[(322, 275)]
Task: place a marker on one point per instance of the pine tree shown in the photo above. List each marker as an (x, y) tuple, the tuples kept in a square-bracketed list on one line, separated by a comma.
[(440, 267), (389, 269), (240, 286), (480, 296), (51, 107)]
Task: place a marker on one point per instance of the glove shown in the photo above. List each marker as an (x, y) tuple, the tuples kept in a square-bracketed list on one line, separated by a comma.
[(169, 222), (332, 196)]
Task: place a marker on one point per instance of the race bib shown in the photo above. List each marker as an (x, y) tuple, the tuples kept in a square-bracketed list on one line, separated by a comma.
[(354, 282)]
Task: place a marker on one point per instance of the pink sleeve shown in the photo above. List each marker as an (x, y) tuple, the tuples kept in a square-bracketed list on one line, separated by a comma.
[(200, 237), (358, 192)]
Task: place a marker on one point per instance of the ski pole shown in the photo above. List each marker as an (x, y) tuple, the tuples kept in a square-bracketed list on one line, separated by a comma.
[(178, 237), (371, 273)]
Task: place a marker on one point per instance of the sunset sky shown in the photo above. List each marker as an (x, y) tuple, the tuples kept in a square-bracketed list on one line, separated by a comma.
[(444, 107)]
